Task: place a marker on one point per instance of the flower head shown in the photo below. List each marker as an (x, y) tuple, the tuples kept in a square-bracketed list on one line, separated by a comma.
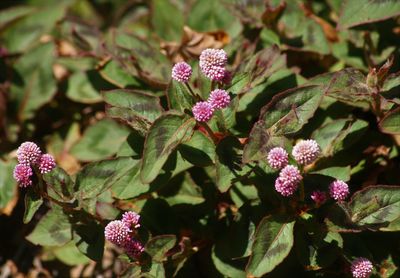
[(133, 247), (22, 174), (219, 99), (277, 158), (318, 197), (46, 163), (212, 63), (131, 219), (181, 72), (202, 111), (339, 190), (28, 153), (306, 151), (117, 232), (288, 180), (361, 268)]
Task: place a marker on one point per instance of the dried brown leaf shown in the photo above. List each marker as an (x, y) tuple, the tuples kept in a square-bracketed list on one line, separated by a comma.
[(192, 43), (272, 14)]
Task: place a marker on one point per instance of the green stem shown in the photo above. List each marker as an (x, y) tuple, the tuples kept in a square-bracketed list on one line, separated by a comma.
[(194, 95), (213, 85)]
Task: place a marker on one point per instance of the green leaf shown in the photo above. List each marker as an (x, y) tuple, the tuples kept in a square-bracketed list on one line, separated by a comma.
[(8, 186), (158, 246), (130, 185), (315, 247), (340, 173), (339, 134), (59, 185), (209, 15), (349, 86), (227, 257), (375, 205), (89, 238), (179, 97), (289, 111), (136, 108), (164, 136), (182, 190), (34, 84), (97, 177), (356, 13), (26, 31), (260, 142), (262, 65), (70, 254), (13, 13), (82, 89), (100, 141), (241, 193), (390, 123), (54, 229), (167, 20), (115, 74), (273, 241), (32, 203), (225, 268), (199, 150), (228, 163)]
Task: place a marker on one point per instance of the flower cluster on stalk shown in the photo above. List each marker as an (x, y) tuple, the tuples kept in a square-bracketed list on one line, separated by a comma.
[(212, 63), (29, 157), (122, 233), (304, 153)]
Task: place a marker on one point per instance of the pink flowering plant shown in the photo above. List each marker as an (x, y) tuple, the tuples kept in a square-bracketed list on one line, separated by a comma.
[(201, 138)]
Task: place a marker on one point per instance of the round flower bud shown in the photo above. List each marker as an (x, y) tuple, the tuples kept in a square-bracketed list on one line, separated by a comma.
[(361, 268), (46, 163), (306, 151), (202, 111), (219, 99), (227, 79), (319, 197), (131, 219), (277, 158), (339, 190), (117, 232), (22, 174), (212, 63), (28, 153), (133, 248), (181, 72), (288, 180)]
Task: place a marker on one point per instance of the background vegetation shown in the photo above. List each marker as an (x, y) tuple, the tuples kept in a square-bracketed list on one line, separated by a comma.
[(206, 209)]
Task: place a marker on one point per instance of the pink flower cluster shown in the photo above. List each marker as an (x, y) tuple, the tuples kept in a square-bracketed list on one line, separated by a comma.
[(181, 72), (304, 152), (339, 190), (212, 63), (29, 155), (361, 268), (204, 110), (121, 232), (288, 180)]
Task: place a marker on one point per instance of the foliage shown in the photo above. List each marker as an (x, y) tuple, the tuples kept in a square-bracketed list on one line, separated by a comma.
[(90, 82)]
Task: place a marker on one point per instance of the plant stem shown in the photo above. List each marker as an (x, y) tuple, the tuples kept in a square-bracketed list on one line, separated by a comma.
[(194, 95), (210, 132), (301, 189)]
